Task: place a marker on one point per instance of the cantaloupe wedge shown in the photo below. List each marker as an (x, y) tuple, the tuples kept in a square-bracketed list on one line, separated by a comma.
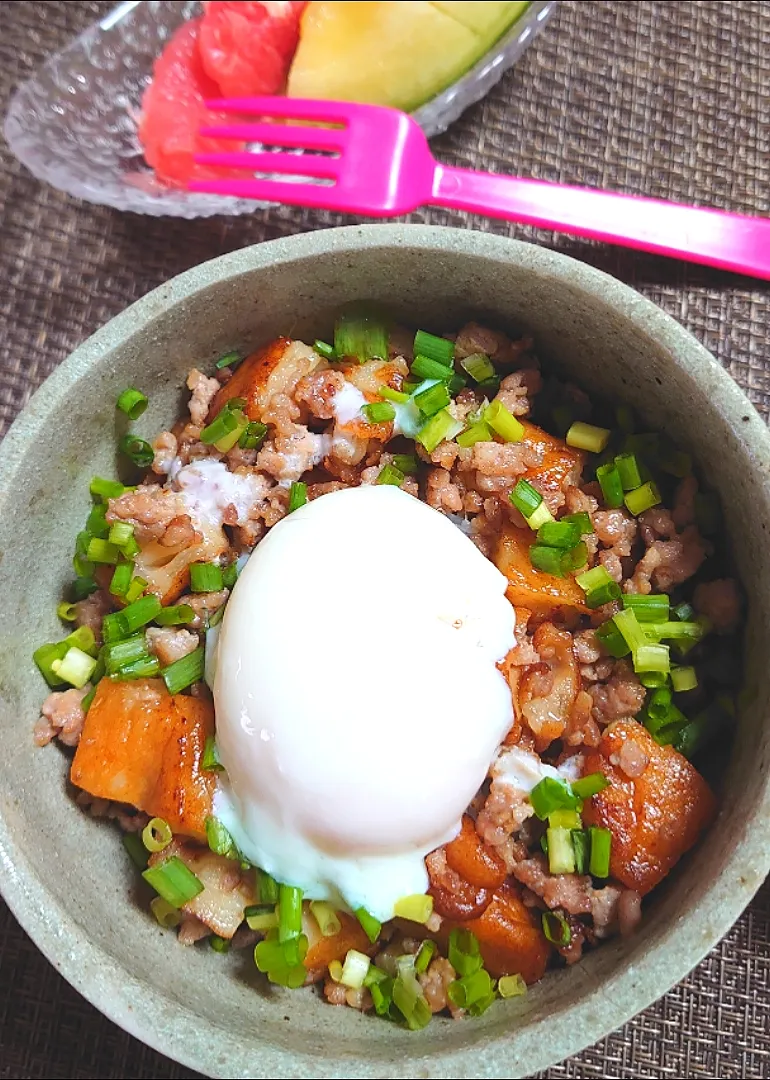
[(392, 53)]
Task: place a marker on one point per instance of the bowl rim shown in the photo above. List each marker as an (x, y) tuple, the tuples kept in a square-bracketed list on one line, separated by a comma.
[(144, 1012)]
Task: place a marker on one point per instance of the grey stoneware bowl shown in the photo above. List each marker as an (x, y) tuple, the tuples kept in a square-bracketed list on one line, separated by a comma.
[(66, 876)]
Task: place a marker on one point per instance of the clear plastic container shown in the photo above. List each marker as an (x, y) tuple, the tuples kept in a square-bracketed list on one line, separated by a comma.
[(73, 124)]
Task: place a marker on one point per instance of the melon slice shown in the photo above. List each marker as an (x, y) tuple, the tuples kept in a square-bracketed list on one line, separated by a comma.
[(391, 53)]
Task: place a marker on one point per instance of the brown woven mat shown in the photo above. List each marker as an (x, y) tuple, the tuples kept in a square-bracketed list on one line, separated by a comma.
[(668, 99)]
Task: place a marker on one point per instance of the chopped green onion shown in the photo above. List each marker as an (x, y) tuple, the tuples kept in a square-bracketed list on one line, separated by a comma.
[(282, 961), (435, 348), (252, 437), (371, 926), (612, 488), (564, 819), (335, 971), (547, 559), (227, 360), (581, 849), (556, 928), (683, 678), (588, 437), (259, 919), (561, 854), (67, 612), (628, 625), (177, 615), (551, 794), (230, 575), (323, 348), (389, 474), (139, 451), (601, 842), (511, 986), (96, 522), (525, 498), (228, 441), (425, 954), (75, 667), (478, 366), (438, 428), (651, 680), (132, 402), (575, 559), (140, 613), (113, 629), (478, 432), (464, 952), (675, 630), (374, 974), (379, 412), (406, 463), (46, 656), (87, 701), (219, 839), (136, 850), (144, 667), (185, 671), (224, 424), (489, 387), (174, 881), (598, 586), (354, 969), (165, 915), (120, 533), (326, 917), (80, 564), (210, 761), (267, 887), (612, 639), (684, 612), (102, 551), (218, 944), (642, 498), (127, 651), (417, 908), (107, 489), (628, 471), (503, 422), (559, 534), (470, 989), (410, 385), (83, 638), (652, 658), (456, 384), (157, 834), (360, 334), (651, 608), (432, 400), (582, 520), (121, 578), (702, 729), (135, 589), (389, 394), (297, 496), (83, 587), (206, 577), (425, 368), (289, 912), (410, 1001), (590, 785)]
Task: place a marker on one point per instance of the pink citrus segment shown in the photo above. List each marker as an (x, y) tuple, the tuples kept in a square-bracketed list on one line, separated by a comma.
[(247, 47)]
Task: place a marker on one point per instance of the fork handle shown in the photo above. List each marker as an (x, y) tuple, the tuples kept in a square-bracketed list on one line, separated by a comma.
[(712, 237)]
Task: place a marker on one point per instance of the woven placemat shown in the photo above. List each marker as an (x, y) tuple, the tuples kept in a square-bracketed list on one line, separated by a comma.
[(668, 99)]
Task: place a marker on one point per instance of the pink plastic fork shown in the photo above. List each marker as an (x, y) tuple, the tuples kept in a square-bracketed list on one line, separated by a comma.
[(382, 166)]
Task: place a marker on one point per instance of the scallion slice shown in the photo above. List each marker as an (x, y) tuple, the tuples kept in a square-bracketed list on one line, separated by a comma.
[(389, 394), (642, 498), (67, 612), (297, 495), (210, 761), (406, 463), (371, 926), (628, 625), (556, 928), (228, 359), (652, 658), (598, 586), (132, 402), (612, 639), (323, 348), (470, 989), (289, 912), (157, 834), (261, 918), (389, 474), (435, 348), (478, 432), (650, 608), (206, 577), (438, 428), (478, 366), (218, 944), (360, 333), (144, 667), (121, 578), (119, 654), (140, 613), (610, 483), (601, 843), (185, 671), (628, 471), (102, 551), (327, 918), (228, 420), (588, 437), (96, 522), (75, 667), (107, 489), (425, 954), (433, 399), (379, 412), (113, 629), (551, 794), (174, 881), (464, 952), (410, 1001), (417, 908), (581, 848), (564, 819), (511, 986), (354, 969), (559, 534), (526, 498), (83, 587), (135, 589), (177, 615), (137, 852), (582, 520), (139, 451), (219, 839), (683, 678), (423, 367), (267, 887), (590, 785), (456, 384), (503, 422), (547, 559), (561, 854), (252, 437)]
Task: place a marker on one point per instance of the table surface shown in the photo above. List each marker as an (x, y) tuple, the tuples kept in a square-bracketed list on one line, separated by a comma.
[(669, 99)]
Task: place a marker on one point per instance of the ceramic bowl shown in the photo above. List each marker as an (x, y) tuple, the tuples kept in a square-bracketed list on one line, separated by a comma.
[(66, 876)]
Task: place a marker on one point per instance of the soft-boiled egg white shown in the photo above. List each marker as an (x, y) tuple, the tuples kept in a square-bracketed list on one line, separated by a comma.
[(358, 701)]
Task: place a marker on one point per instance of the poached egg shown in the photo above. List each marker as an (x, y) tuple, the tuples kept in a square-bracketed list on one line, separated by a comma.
[(358, 702)]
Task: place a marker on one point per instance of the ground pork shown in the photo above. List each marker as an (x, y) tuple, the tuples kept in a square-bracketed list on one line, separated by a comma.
[(434, 983), (473, 338), (287, 457), (180, 533), (281, 414), (337, 994), (204, 605), (668, 563), (517, 391), (203, 392), (587, 649), (317, 391), (165, 447), (128, 818), (620, 697), (683, 513), (442, 494), (612, 564), (582, 729), (616, 530), (720, 602), (572, 892), (149, 508), (191, 929), (62, 715), (170, 645), (91, 611), (498, 464), (504, 812)]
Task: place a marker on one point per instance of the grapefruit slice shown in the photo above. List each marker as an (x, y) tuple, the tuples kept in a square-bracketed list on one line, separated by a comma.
[(246, 47), (173, 110)]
